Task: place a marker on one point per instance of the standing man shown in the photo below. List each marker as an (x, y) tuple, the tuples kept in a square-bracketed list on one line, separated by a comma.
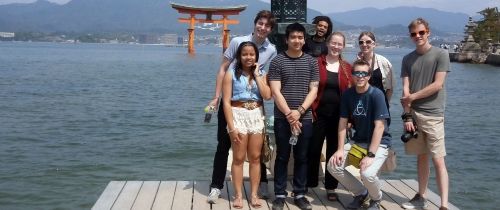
[(316, 45), (424, 72), (366, 106), (294, 79), (264, 23)]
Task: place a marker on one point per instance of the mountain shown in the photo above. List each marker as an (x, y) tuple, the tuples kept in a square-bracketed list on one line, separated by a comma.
[(157, 16), (115, 16), (444, 21)]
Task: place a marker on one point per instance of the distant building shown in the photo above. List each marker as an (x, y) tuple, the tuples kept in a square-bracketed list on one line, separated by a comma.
[(149, 39), (169, 39), (7, 36)]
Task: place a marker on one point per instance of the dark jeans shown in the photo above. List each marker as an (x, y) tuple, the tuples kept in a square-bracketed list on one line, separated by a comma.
[(324, 126), (283, 148), (220, 159)]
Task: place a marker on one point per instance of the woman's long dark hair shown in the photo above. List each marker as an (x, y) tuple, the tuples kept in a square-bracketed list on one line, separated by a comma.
[(239, 66)]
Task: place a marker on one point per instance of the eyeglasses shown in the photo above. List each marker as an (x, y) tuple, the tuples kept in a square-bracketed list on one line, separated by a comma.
[(421, 33), (360, 74), (368, 42)]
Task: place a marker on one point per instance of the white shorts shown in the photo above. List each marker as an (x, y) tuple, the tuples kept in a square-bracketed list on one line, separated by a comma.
[(248, 121)]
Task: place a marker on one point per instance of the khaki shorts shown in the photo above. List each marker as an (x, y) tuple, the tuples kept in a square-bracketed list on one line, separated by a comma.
[(430, 138)]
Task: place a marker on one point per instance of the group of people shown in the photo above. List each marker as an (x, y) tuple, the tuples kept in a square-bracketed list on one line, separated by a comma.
[(319, 96)]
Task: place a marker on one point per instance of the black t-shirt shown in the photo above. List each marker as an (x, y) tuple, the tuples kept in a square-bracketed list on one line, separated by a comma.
[(315, 48), (330, 101)]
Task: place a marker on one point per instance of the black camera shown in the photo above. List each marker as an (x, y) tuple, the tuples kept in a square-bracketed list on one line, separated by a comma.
[(407, 136)]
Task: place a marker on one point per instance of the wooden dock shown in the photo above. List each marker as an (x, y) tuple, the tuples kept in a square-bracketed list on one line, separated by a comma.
[(192, 195), (180, 195)]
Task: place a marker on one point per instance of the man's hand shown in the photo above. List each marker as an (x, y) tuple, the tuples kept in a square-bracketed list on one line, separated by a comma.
[(293, 117), (365, 163), (337, 158), (214, 102), (406, 100), (409, 126)]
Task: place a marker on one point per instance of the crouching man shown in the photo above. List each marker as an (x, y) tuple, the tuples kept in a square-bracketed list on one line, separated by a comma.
[(366, 107)]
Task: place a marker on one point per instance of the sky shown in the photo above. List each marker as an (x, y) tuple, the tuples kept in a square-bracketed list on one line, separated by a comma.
[(470, 7)]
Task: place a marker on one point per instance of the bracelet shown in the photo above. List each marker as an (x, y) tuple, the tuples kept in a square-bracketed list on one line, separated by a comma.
[(407, 117), (301, 110), (230, 131), (289, 113)]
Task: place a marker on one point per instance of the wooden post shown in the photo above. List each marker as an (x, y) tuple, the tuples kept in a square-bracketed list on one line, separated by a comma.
[(191, 35), (225, 34)]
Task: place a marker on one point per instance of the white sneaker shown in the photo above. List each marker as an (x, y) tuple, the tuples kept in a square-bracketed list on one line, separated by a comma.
[(263, 191), (213, 195)]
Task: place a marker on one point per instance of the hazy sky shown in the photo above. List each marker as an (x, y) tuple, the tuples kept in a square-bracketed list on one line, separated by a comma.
[(326, 6)]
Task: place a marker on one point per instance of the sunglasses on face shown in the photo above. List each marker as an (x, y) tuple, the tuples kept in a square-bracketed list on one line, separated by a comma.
[(360, 74), (368, 42), (421, 33)]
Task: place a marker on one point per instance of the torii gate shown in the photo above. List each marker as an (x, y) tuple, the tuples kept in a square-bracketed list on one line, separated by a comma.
[(208, 11)]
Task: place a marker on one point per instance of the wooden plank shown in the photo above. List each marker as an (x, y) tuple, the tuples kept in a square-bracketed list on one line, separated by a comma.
[(183, 196), (127, 197), (223, 203), (391, 198), (329, 205), (146, 195), (249, 196), (231, 193), (315, 201), (165, 195), (109, 195), (431, 196), (200, 193), (408, 192), (345, 196)]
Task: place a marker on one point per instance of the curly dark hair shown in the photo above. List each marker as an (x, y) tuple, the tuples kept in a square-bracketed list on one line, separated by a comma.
[(327, 20)]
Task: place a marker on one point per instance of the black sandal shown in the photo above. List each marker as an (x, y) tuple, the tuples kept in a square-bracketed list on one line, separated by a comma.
[(332, 196)]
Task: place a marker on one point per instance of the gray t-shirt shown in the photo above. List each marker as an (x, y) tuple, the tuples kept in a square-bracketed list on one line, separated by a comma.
[(421, 69)]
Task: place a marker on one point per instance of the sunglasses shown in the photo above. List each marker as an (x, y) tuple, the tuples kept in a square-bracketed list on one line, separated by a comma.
[(360, 74), (421, 33), (368, 42)]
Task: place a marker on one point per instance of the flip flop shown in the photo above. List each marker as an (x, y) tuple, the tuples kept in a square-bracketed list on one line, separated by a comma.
[(237, 202), (255, 202)]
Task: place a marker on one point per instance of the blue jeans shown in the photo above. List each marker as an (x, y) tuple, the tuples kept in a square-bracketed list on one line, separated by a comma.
[(282, 133)]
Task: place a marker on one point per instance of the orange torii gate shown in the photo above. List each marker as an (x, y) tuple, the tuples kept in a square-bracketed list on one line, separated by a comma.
[(208, 11)]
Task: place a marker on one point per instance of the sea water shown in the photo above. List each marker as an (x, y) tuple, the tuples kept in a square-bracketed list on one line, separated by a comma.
[(75, 116)]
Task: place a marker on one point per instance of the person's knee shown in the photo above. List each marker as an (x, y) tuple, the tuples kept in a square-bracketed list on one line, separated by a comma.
[(439, 163), (368, 176), (238, 160)]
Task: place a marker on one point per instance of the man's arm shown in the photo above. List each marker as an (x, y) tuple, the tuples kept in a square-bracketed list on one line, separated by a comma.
[(374, 144), (218, 81), (279, 99), (429, 90), (378, 131)]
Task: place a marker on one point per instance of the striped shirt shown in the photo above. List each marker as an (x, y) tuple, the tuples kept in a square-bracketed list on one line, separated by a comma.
[(295, 75)]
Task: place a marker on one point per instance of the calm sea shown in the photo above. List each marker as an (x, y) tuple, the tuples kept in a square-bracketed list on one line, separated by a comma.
[(75, 116)]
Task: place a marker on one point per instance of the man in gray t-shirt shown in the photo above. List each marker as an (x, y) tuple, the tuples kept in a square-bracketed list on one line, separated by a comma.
[(424, 72)]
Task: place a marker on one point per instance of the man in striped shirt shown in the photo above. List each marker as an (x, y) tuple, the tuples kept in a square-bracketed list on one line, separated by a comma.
[(294, 80)]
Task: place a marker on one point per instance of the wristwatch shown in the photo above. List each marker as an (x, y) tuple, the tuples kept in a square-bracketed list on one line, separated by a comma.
[(370, 154)]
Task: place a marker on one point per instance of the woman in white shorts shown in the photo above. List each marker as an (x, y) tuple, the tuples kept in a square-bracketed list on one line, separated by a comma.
[(244, 88)]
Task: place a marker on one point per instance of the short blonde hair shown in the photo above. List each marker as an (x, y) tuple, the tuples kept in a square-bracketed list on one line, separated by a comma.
[(418, 21)]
